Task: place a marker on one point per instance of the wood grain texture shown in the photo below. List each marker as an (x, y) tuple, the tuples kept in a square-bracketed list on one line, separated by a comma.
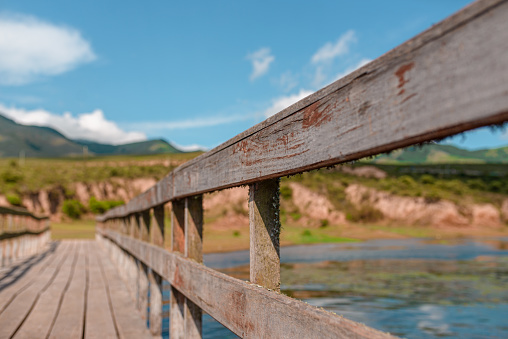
[(157, 239), (193, 315), (69, 322), (248, 310), (157, 231), (16, 311), (194, 228), (129, 322), (40, 319), (439, 83), (264, 225), (177, 299), (99, 320), (20, 277)]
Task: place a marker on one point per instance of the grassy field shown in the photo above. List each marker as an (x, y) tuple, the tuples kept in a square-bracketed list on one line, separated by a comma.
[(233, 240), (34, 174), (79, 229)]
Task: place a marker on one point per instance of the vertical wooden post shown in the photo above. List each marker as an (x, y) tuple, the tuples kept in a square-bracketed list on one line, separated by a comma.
[(264, 226), (157, 238), (194, 250), (143, 221), (177, 302)]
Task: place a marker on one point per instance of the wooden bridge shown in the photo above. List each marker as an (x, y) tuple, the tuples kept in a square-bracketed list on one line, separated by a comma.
[(449, 79)]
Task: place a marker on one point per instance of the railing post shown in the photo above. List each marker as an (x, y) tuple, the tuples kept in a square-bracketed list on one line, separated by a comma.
[(264, 226), (176, 316), (193, 250), (157, 238), (143, 222)]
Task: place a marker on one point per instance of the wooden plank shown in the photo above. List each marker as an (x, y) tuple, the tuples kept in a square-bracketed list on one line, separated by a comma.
[(177, 300), (70, 320), (39, 322), (99, 319), (143, 220), (156, 295), (193, 316), (250, 311), (264, 227), (129, 323), (16, 283), (439, 83), (16, 312), (194, 228)]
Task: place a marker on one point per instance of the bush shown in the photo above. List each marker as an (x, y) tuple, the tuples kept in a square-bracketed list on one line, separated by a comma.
[(14, 199), (324, 223), (364, 213), (73, 209), (286, 192), (102, 206), (427, 179)]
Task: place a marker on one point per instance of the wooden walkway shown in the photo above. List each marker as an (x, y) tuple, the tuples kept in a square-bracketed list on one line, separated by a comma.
[(72, 290)]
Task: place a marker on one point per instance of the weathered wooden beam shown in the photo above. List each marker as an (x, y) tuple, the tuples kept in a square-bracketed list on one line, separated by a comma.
[(264, 227), (157, 239), (177, 299), (248, 310), (449, 79), (193, 250)]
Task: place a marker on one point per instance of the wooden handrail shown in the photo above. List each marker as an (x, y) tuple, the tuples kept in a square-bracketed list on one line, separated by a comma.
[(449, 79), (21, 234), (247, 309), (20, 211)]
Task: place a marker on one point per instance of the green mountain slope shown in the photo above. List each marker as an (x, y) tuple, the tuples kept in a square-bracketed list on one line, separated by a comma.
[(36, 141), (440, 154)]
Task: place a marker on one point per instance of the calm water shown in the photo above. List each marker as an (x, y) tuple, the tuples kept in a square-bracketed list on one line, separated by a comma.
[(411, 288)]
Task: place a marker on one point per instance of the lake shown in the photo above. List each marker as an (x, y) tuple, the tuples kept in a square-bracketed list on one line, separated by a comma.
[(414, 288)]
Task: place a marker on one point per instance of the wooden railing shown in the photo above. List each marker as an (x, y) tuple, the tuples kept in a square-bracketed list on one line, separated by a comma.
[(449, 79), (21, 234)]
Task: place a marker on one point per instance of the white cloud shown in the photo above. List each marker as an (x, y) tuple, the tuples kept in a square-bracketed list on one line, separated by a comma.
[(332, 50), (190, 123), (261, 60), (348, 70), (90, 126), (190, 148), (31, 48), (280, 103)]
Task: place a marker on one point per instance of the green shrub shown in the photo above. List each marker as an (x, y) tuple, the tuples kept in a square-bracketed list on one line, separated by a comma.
[(286, 192), (427, 179), (476, 184), (324, 223), (101, 206), (295, 215), (306, 233), (406, 180), (236, 234), (364, 213), (432, 196), (14, 199), (73, 209)]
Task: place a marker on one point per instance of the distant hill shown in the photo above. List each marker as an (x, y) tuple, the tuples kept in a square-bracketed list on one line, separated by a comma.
[(46, 142), (443, 154)]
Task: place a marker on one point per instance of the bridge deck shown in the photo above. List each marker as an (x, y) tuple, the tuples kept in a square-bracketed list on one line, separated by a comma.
[(70, 291)]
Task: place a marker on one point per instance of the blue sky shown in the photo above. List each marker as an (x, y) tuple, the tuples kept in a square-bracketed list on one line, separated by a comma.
[(194, 73)]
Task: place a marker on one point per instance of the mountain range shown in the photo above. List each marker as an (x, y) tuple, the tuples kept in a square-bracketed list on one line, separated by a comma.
[(443, 154), (46, 142)]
